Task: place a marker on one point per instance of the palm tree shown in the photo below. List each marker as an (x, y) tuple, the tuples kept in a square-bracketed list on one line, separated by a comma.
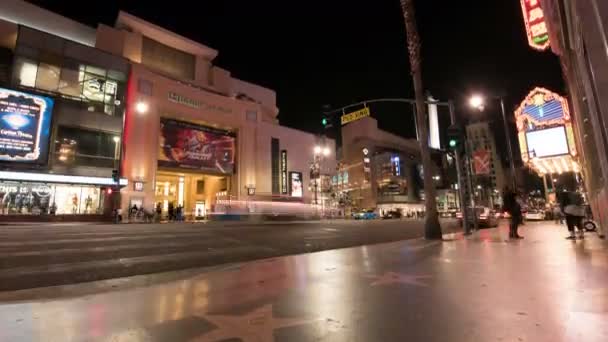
[(432, 227)]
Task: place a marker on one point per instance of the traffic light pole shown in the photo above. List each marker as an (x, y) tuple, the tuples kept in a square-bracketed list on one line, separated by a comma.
[(461, 186)]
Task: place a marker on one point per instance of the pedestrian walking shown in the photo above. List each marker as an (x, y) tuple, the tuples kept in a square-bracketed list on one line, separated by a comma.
[(159, 211), (512, 206), (572, 206), (171, 211)]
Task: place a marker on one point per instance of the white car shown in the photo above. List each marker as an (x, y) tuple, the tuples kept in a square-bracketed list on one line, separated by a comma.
[(535, 215)]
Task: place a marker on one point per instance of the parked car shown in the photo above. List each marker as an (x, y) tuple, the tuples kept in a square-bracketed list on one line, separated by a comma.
[(485, 217), (392, 215), (535, 215), (365, 215)]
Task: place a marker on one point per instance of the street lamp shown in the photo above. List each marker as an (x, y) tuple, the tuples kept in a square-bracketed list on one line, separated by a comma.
[(477, 101), (326, 151), (141, 107)]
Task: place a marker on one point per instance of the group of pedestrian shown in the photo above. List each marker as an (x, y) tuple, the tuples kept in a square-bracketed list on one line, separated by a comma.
[(571, 208), (175, 213)]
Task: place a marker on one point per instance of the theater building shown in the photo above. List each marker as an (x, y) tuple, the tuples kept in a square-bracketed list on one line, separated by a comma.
[(139, 102), (61, 117), (197, 137)]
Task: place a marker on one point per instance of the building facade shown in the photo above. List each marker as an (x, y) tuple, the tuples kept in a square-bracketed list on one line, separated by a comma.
[(487, 172), (204, 140), (381, 171), (143, 104), (578, 33), (62, 118)]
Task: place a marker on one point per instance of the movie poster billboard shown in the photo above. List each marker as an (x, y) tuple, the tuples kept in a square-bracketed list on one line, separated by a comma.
[(296, 184), (189, 146), (25, 127)]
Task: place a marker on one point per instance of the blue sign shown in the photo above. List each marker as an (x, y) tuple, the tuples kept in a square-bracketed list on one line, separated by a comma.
[(25, 127)]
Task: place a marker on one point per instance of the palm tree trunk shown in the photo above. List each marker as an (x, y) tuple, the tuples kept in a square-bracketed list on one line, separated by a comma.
[(432, 227)]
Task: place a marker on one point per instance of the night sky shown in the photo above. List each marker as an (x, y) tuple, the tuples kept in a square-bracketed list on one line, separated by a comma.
[(317, 53)]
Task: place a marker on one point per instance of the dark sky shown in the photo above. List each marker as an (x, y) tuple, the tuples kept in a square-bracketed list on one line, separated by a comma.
[(337, 51)]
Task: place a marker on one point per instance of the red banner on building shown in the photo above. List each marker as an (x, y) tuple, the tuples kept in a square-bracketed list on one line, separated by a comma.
[(481, 162), (536, 26)]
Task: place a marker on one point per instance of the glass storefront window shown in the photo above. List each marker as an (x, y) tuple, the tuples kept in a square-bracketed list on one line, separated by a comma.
[(86, 147), (71, 79), (40, 199), (103, 89)]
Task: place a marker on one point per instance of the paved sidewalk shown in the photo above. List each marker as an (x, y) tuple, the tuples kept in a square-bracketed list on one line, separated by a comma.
[(542, 288)]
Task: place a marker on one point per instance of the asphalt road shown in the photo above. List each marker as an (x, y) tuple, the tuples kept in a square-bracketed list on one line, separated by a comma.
[(45, 255)]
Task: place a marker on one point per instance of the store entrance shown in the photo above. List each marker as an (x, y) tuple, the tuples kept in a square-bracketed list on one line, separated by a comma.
[(194, 194)]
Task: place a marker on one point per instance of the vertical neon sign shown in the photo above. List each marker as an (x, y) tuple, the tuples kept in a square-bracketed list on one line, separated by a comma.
[(536, 26)]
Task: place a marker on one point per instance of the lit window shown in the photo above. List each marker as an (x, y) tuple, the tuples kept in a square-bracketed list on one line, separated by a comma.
[(47, 77), (25, 72)]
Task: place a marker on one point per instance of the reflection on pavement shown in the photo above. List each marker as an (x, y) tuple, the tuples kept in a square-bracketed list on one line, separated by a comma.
[(541, 289)]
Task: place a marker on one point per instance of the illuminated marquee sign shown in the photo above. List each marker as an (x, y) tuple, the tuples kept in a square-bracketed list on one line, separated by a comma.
[(536, 26), (545, 133)]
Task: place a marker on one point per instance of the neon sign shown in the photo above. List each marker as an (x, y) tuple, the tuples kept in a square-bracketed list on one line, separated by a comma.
[(536, 26), (544, 126)]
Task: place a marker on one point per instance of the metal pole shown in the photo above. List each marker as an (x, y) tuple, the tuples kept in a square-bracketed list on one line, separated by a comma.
[(461, 186), (508, 138), (469, 172), (546, 188)]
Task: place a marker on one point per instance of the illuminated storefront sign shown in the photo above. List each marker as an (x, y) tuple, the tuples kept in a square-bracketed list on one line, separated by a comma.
[(354, 116), (197, 104), (284, 172), (536, 26), (189, 146), (295, 186), (25, 125), (545, 133)]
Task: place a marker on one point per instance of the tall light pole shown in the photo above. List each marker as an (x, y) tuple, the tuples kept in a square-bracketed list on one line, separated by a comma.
[(477, 101), (432, 227)]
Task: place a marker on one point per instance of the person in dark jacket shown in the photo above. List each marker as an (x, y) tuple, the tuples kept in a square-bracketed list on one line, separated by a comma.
[(512, 206), (572, 205)]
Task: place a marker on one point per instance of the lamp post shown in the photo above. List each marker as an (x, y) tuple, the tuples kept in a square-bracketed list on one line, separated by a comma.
[(477, 101)]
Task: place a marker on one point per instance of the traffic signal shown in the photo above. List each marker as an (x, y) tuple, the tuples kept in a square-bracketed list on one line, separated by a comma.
[(115, 177), (455, 138), (326, 122)]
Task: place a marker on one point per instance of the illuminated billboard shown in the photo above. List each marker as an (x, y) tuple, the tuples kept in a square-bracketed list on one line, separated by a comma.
[(296, 185), (185, 145), (541, 110), (549, 142), (25, 127), (536, 26), (545, 133)]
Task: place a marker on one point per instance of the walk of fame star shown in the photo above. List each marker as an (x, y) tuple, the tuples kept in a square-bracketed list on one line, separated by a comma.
[(257, 325), (389, 278)]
